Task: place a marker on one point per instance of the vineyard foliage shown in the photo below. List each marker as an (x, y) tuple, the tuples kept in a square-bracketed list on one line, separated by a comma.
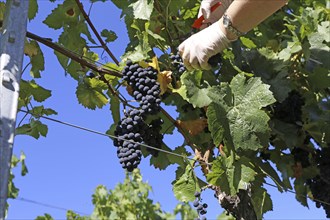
[(128, 200), (263, 112)]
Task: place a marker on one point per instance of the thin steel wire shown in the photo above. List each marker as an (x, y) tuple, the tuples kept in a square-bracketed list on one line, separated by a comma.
[(112, 136), (147, 146), (48, 205)]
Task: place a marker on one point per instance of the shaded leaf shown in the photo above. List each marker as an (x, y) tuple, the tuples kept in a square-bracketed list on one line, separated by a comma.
[(90, 93), (185, 187), (31, 88), (109, 35), (301, 191), (33, 9), (34, 129), (261, 201)]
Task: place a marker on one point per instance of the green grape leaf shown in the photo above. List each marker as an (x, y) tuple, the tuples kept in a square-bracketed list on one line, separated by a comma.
[(261, 201), (34, 129), (319, 120), (193, 89), (319, 79), (115, 109), (185, 187), (247, 42), (241, 109), (70, 215), (181, 150), (14, 161), (31, 88), (62, 14), (33, 9), (231, 175), (24, 169), (285, 168), (267, 169), (37, 61), (41, 110), (225, 216), (241, 175), (71, 39), (142, 9), (90, 93), (162, 161), (218, 176), (109, 35), (301, 191), (45, 217), (12, 189), (63, 60), (84, 30), (217, 121), (137, 54)]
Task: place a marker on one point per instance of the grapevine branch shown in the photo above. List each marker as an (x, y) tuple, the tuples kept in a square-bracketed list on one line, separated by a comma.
[(101, 70), (80, 60), (91, 25), (180, 129), (72, 55)]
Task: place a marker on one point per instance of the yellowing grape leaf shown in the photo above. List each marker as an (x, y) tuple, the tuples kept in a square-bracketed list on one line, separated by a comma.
[(194, 127), (164, 79), (155, 64), (30, 49)]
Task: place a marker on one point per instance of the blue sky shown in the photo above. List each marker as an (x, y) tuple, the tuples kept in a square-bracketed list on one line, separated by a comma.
[(67, 165)]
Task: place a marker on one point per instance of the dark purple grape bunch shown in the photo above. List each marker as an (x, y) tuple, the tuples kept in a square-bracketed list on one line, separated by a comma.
[(201, 207), (146, 89), (153, 137), (132, 128), (177, 63)]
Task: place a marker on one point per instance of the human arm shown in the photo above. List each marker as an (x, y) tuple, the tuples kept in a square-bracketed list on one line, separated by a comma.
[(244, 14), (247, 14)]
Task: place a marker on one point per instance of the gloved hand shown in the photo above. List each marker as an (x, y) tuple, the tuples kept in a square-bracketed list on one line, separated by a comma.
[(211, 17), (197, 49)]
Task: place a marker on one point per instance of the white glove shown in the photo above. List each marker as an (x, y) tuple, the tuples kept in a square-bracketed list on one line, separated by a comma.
[(211, 17), (197, 49)]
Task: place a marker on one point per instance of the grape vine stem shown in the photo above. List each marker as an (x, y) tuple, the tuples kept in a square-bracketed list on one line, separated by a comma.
[(102, 70), (72, 55), (91, 25)]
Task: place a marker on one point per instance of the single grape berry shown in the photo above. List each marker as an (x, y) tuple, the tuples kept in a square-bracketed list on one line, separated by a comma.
[(200, 207), (196, 203)]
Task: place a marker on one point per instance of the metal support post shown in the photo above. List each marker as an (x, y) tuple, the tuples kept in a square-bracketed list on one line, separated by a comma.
[(12, 38)]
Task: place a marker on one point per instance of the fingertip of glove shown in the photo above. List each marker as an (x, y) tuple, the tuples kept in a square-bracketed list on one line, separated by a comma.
[(206, 66)]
